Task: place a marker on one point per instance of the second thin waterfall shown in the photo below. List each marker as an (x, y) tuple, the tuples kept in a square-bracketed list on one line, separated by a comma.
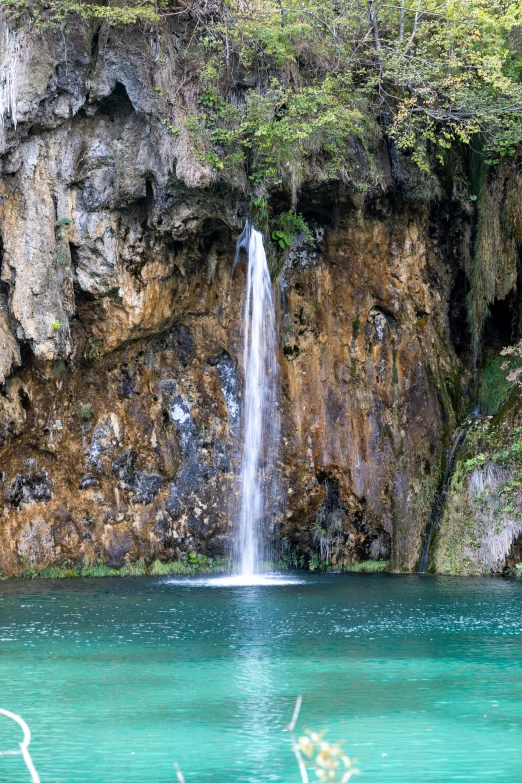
[(258, 483)]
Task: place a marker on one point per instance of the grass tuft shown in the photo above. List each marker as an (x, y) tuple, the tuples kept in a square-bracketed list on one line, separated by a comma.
[(97, 569), (166, 569), (139, 568), (198, 564), (55, 572), (368, 567)]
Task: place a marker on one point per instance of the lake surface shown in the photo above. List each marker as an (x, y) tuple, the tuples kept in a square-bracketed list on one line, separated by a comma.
[(118, 678)]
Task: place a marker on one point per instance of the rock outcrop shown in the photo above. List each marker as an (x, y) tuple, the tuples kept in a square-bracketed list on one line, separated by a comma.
[(120, 337)]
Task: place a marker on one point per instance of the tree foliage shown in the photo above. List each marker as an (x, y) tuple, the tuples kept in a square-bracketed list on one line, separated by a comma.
[(285, 80), (288, 85), (58, 13)]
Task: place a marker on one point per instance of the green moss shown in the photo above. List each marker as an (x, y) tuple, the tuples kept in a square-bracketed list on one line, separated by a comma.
[(356, 326), (447, 384), (454, 390), (494, 387), (275, 265), (85, 413), (93, 350), (61, 256), (460, 530), (399, 451), (395, 372), (59, 369), (493, 244)]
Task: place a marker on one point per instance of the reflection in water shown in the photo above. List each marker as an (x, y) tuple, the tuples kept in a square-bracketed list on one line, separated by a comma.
[(254, 685)]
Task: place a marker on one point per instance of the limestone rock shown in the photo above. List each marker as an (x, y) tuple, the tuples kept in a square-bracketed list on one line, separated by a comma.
[(121, 345), (9, 347), (13, 417)]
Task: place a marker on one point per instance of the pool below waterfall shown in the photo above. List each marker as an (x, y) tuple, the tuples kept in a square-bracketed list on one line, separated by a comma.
[(118, 678)]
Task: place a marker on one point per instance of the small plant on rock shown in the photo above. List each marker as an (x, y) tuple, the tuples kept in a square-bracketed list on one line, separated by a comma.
[(283, 240), (29, 571), (85, 413), (288, 225), (196, 561), (259, 209), (61, 225)]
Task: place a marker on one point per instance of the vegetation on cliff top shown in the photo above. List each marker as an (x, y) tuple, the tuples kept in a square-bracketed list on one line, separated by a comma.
[(277, 87), (327, 72), (57, 13)]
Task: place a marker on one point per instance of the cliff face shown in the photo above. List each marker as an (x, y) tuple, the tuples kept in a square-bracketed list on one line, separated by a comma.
[(370, 380), (120, 338)]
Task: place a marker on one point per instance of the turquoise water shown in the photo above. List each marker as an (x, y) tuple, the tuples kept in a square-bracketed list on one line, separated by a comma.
[(118, 678)]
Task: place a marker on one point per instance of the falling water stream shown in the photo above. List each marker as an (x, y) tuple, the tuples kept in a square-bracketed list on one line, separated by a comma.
[(260, 423)]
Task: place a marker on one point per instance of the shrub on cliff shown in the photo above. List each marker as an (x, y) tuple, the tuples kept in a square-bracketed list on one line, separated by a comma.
[(275, 89), (316, 74), (56, 13)]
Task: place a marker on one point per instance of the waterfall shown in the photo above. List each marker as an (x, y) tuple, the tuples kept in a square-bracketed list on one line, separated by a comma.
[(258, 483)]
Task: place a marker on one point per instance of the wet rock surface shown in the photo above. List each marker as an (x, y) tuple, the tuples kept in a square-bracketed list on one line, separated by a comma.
[(28, 489)]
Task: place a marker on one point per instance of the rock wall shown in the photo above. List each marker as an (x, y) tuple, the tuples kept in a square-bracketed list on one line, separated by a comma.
[(120, 337), (371, 384)]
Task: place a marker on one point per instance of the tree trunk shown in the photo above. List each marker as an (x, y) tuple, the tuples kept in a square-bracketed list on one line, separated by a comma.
[(373, 22)]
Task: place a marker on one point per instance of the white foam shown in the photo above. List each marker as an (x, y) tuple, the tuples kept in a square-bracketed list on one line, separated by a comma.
[(253, 580), (239, 580)]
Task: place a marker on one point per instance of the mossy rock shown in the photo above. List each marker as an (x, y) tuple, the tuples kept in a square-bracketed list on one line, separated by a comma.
[(483, 512)]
